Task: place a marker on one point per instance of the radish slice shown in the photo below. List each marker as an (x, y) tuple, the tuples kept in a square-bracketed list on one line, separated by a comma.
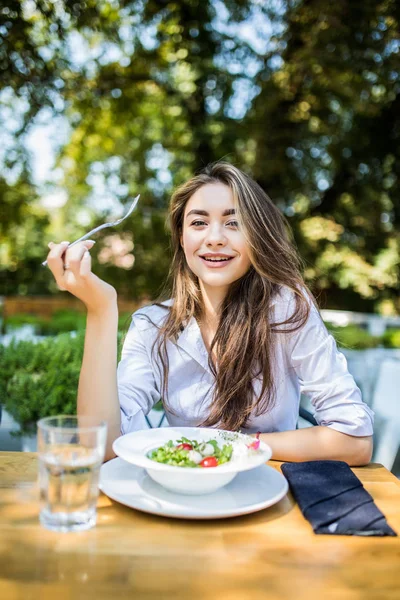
[(256, 444)]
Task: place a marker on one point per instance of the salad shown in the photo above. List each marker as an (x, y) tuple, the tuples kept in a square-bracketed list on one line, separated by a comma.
[(195, 454)]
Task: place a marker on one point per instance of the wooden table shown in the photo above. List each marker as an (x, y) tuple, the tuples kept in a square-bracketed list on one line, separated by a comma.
[(272, 554)]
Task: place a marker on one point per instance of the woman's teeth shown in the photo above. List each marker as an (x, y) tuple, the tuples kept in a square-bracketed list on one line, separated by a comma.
[(216, 259)]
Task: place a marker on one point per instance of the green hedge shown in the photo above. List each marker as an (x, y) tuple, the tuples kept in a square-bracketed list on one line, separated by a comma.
[(355, 338), (41, 379), (62, 321), (391, 338)]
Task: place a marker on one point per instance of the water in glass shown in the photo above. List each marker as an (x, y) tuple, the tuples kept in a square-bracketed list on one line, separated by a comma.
[(68, 477)]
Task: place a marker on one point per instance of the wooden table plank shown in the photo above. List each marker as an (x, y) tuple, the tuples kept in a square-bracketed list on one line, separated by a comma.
[(267, 555)]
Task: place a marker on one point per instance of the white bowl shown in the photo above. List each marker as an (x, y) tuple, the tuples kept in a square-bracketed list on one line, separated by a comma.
[(134, 448)]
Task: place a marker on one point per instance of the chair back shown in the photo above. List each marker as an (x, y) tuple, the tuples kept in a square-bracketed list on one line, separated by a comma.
[(386, 405), (386, 398)]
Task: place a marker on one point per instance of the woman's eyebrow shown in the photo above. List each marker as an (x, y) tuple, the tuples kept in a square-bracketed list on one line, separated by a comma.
[(204, 213)]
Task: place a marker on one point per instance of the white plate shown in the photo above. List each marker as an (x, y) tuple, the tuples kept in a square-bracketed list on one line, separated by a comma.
[(249, 492)]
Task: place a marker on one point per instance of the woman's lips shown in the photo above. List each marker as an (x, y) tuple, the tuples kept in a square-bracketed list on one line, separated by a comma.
[(217, 264)]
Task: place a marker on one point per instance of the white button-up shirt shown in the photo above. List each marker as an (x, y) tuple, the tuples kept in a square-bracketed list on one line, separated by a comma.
[(306, 361)]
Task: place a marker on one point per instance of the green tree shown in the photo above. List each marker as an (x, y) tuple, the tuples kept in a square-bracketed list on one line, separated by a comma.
[(153, 90), (326, 130), (146, 121), (22, 224)]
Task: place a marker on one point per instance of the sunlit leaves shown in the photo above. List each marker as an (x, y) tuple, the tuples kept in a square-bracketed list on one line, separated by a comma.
[(326, 124), (309, 105)]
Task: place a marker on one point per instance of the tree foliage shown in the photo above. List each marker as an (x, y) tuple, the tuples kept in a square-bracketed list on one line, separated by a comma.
[(327, 131), (307, 103)]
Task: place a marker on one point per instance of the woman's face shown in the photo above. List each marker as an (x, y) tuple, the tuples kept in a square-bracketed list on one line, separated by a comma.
[(214, 246)]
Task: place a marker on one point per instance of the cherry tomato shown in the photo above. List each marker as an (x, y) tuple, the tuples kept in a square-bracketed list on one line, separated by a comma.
[(209, 461), (185, 447)]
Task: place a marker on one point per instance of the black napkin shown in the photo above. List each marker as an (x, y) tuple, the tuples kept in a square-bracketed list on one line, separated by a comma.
[(334, 500)]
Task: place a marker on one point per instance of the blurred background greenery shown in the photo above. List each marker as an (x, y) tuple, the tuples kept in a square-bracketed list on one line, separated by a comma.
[(135, 96)]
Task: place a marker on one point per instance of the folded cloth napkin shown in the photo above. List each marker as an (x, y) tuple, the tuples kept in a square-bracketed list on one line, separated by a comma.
[(334, 500)]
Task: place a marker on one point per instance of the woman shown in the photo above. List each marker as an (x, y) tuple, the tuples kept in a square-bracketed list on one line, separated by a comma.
[(236, 343)]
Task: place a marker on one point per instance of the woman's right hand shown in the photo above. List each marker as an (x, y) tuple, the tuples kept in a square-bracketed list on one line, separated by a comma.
[(78, 279)]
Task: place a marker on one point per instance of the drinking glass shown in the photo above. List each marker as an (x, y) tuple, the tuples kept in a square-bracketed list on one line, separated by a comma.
[(71, 450)]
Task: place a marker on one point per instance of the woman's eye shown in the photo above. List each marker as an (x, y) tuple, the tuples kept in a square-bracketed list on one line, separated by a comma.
[(199, 223), (233, 224)]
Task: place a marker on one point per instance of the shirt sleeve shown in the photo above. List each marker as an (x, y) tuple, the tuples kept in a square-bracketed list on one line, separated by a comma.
[(324, 378), (137, 389)]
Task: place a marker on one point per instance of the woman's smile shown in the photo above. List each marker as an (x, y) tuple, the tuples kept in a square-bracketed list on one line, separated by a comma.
[(216, 261)]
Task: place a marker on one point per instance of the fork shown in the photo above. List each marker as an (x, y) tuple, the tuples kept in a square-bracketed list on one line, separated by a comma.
[(96, 229)]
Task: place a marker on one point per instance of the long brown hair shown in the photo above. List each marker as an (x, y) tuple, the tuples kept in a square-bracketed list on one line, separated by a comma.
[(244, 341)]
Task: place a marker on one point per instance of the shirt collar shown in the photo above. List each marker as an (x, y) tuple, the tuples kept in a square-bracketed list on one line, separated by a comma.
[(191, 341)]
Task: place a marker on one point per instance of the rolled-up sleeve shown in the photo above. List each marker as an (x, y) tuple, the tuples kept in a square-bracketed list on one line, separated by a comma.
[(325, 380), (137, 389)]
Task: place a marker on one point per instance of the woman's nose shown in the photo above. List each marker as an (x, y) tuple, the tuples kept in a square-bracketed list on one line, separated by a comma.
[(216, 235)]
